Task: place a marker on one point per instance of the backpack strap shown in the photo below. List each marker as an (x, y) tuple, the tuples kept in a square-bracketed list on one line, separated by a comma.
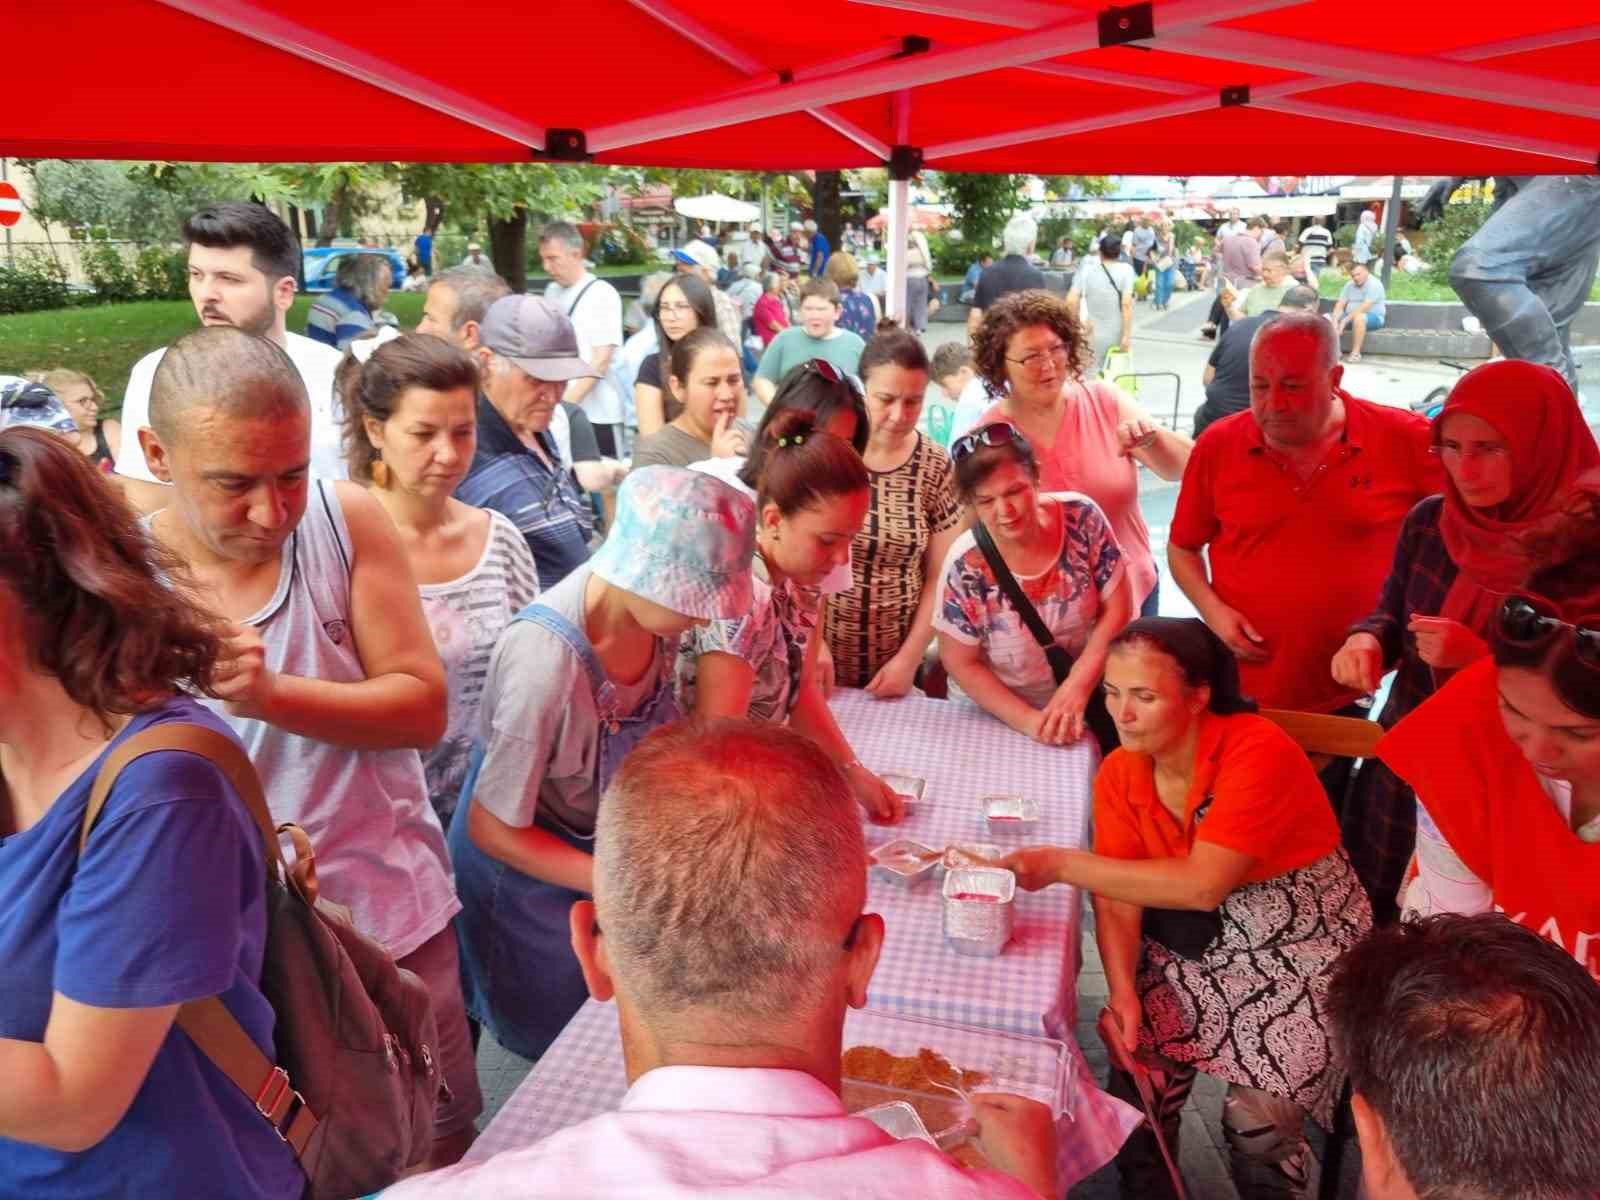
[(214, 1030)]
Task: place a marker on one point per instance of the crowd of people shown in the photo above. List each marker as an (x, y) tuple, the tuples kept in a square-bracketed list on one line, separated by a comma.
[(532, 739)]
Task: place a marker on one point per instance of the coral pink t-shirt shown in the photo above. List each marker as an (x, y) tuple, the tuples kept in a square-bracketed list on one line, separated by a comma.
[(1086, 458)]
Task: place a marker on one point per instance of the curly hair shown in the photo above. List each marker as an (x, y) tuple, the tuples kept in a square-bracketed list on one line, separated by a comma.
[(1011, 315), (97, 610)]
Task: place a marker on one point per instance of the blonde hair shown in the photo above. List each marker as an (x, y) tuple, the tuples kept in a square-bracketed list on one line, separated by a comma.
[(65, 377)]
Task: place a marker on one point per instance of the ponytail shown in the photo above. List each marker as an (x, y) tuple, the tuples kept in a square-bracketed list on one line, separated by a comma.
[(804, 466)]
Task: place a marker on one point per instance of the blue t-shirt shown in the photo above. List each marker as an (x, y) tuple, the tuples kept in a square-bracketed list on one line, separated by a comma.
[(168, 904), (820, 250), (425, 251), (1352, 295)]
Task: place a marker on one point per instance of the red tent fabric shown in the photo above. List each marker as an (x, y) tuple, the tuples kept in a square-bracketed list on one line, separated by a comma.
[(1174, 87)]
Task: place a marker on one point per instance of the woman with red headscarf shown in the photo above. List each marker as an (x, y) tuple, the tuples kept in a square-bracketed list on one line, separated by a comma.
[(1513, 443)]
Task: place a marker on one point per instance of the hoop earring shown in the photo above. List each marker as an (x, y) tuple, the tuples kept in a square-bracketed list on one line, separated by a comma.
[(380, 472)]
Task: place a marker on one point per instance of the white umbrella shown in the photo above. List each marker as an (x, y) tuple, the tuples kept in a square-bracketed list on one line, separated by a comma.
[(717, 207)]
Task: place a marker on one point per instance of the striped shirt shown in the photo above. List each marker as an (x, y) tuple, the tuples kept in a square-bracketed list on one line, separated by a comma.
[(541, 498), (337, 318), (466, 616)]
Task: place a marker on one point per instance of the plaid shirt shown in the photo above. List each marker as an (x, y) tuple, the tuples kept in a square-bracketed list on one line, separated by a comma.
[(543, 501), (1378, 824)]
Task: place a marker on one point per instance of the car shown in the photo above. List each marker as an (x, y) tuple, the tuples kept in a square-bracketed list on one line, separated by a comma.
[(322, 264)]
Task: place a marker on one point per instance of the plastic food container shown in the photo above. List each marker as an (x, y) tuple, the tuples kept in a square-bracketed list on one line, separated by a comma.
[(899, 1120), (1035, 1067), (979, 910), (1010, 814), (903, 860), (912, 787), (970, 854)]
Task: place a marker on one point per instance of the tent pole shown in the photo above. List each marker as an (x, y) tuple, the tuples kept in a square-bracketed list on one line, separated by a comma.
[(1391, 221), (895, 238)]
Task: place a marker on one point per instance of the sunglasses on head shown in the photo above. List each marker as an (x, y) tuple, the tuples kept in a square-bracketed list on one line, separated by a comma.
[(998, 433), (1528, 623), (824, 368)]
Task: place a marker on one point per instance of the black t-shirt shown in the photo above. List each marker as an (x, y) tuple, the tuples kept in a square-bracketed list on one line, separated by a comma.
[(1013, 273), (584, 446), (650, 371), (1229, 391)]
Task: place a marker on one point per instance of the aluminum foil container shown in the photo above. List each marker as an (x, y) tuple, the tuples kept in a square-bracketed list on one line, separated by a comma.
[(899, 1120), (979, 910), (903, 860), (1010, 814), (970, 854), (912, 787)]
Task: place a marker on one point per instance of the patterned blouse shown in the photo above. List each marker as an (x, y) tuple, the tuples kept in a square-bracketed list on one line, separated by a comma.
[(858, 314), (772, 639), (973, 610), (868, 624)]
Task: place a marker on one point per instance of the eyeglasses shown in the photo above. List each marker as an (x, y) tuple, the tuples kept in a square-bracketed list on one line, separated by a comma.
[(824, 368), (998, 433), (679, 309), (1034, 362), (1528, 623), (1455, 451)]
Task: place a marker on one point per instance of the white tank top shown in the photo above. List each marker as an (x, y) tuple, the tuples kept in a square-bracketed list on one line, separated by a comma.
[(380, 849)]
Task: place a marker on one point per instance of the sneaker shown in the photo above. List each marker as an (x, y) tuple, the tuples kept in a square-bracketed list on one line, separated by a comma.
[(1352, 357)]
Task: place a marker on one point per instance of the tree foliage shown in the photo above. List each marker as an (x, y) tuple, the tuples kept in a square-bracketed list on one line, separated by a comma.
[(984, 203)]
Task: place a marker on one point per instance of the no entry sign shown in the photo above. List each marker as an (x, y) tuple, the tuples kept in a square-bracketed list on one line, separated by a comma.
[(10, 205)]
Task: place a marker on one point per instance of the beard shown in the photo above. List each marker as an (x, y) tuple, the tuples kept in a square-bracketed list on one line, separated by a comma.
[(260, 321)]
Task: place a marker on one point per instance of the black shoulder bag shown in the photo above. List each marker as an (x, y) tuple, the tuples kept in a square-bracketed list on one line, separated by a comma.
[(1095, 715)]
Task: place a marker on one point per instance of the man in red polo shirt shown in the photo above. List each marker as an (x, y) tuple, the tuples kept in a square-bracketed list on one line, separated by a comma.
[(1299, 503)]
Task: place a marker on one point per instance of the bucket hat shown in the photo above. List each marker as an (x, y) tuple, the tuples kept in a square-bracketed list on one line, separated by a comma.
[(24, 402), (683, 540)]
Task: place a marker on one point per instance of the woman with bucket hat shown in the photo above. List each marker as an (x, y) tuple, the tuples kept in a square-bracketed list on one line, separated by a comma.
[(577, 679)]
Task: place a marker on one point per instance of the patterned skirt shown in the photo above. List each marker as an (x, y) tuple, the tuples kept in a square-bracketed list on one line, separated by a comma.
[(1251, 1010)]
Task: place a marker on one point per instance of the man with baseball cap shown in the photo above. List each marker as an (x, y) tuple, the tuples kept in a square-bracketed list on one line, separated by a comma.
[(697, 258), (527, 352)]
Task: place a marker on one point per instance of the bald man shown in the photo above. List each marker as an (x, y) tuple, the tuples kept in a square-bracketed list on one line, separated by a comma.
[(730, 933), (331, 678), (1299, 502)]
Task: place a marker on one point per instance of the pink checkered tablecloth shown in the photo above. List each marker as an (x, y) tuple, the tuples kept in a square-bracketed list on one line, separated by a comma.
[(1031, 988)]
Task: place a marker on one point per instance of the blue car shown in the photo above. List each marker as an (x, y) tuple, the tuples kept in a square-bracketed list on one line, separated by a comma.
[(322, 265)]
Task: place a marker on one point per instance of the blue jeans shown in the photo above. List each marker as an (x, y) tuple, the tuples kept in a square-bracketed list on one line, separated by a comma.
[(1164, 282), (1152, 603)]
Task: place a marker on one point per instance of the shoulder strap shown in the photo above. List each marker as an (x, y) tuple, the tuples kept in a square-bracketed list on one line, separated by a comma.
[(1112, 279), (548, 618), (582, 292), (221, 751), (1009, 585)]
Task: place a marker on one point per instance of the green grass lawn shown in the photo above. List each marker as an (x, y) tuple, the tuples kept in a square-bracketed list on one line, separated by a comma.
[(1410, 287), (105, 340)]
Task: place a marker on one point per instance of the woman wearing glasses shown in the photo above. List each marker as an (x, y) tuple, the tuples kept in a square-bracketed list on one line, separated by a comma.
[(683, 305), (1512, 442), (1505, 758), (1089, 436), (1061, 552)]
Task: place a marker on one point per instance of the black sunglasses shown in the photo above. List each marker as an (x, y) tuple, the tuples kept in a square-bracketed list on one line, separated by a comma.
[(824, 368), (998, 433), (1530, 624)]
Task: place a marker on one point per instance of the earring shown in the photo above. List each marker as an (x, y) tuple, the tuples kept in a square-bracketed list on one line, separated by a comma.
[(380, 471)]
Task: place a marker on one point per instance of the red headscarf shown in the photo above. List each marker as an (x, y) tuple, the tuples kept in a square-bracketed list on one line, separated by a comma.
[(1549, 444)]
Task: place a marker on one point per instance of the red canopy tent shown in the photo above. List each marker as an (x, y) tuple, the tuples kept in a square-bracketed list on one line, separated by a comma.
[(1180, 87)]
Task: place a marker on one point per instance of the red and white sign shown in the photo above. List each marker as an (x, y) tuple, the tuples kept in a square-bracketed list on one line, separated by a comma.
[(10, 205)]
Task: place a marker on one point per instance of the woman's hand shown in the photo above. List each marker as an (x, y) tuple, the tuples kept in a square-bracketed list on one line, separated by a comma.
[(882, 803), (1063, 716), (1446, 644), (1359, 663), (1035, 867), (1119, 1028), (894, 678), (726, 441), (1136, 434), (823, 667)]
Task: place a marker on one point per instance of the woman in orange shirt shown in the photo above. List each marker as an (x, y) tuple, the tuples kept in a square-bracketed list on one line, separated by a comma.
[(1505, 758), (1221, 899)]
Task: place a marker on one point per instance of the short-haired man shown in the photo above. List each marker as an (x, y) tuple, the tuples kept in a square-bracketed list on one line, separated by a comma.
[(1140, 244), (816, 335), (1361, 308), (951, 369), (818, 251), (1474, 1062), (1013, 273), (698, 258), (1299, 502), (1227, 374), (1317, 241), (527, 353), (595, 310), (1266, 295), (874, 280), (730, 933), (1232, 225), (331, 680), (242, 266), (1102, 294)]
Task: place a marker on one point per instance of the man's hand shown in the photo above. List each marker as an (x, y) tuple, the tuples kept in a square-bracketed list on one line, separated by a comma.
[(726, 441), (1018, 1137), (1239, 635), (1359, 663), (1136, 434), (1446, 644), (1034, 867), (894, 678), (242, 677)]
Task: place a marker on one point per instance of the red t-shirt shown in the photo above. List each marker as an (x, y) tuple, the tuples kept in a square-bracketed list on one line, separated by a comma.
[(1487, 802), (1254, 791), (1303, 562)]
